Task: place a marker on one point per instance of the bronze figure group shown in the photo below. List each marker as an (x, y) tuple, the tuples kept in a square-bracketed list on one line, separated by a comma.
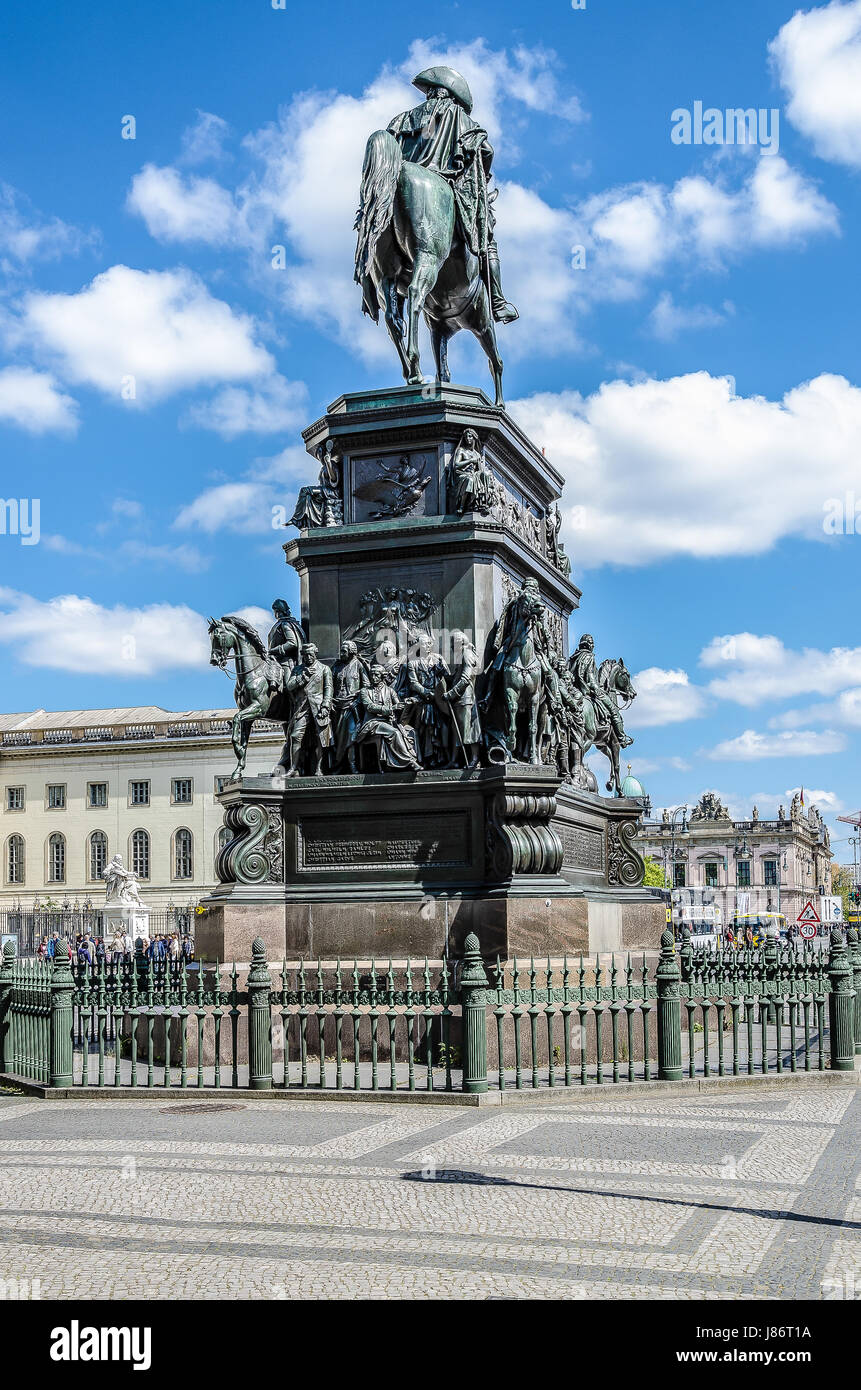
[(373, 712)]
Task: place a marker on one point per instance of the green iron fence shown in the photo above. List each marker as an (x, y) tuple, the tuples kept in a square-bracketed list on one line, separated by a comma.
[(465, 1027)]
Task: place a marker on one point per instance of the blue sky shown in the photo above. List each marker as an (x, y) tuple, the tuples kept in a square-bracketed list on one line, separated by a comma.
[(698, 381)]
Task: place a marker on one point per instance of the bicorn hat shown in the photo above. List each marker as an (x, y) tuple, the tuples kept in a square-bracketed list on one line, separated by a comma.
[(449, 79)]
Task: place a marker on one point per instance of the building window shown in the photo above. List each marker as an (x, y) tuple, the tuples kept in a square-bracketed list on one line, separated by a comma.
[(56, 796), (97, 795), (15, 859), (140, 853), (679, 875), (221, 783), (223, 838), (139, 793), (98, 854), (181, 794), (56, 859), (742, 873), (14, 798), (183, 854), (711, 876), (770, 872)]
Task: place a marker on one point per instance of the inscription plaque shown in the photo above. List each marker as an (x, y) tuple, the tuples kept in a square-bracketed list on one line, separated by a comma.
[(379, 842), (581, 848)]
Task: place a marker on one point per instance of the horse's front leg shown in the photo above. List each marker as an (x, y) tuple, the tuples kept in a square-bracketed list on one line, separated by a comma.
[(425, 272), (615, 782), (534, 755), (439, 344), (512, 702)]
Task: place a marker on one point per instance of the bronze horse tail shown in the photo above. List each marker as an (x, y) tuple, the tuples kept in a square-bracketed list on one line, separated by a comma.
[(380, 172)]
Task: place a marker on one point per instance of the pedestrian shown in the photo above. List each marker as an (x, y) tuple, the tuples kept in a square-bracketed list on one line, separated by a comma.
[(42, 949), (174, 946), (85, 949), (187, 948)]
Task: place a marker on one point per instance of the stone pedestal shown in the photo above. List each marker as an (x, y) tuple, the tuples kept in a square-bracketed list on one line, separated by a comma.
[(128, 918), (408, 864)]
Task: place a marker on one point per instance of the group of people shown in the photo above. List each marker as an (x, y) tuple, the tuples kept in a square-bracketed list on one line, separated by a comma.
[(423, 712), (87, 949), (419, 713)]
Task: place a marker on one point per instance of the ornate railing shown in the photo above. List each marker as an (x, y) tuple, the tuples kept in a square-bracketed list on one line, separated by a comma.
[(430, 1026)]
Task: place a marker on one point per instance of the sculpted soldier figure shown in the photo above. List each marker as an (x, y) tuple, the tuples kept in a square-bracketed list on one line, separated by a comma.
[(378, 707), (285, 637), (471, 484), (585, 676), (461, 702), (349, 676), (417, 683), (311, 686), (440, 134)]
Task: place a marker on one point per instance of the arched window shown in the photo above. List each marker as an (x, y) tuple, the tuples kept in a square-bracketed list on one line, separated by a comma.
[(224, 836), (56, 858), (98, 854), (15, 859), (183, 854), (140, 853)]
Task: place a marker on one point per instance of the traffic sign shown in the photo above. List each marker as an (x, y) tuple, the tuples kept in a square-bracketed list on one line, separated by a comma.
[(808, 914), (808, 930)]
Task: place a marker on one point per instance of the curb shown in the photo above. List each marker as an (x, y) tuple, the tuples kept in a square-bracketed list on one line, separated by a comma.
[(559, 1095)]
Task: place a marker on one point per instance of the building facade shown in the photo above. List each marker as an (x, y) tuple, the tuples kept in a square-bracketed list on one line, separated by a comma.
[(79, 786), (746, 866)]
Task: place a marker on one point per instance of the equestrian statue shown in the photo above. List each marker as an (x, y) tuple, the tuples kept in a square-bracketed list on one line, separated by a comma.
[(426, 231)]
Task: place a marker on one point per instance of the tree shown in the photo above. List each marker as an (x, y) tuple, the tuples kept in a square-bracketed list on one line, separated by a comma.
[(654, 876), (841, 886)]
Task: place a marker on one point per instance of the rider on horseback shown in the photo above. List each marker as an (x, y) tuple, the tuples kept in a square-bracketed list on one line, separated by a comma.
[(585, 676), (441, 135), (285, 639)]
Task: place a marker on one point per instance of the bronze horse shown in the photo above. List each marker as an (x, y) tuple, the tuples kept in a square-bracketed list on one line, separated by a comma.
[(410, 256), (615, 681), (259, 692)]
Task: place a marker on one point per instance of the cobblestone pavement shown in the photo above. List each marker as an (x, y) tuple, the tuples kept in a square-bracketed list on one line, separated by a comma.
[(720, 1197)]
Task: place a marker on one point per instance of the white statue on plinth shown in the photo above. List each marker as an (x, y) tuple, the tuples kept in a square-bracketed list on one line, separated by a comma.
[(124, 909), (120, 883)]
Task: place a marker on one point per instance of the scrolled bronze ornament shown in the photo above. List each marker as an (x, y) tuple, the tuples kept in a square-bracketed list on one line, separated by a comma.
[(255, 853), (519, 838), (624, 864)]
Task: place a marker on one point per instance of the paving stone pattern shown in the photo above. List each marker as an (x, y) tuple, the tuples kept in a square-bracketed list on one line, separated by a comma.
[(698, 1198)]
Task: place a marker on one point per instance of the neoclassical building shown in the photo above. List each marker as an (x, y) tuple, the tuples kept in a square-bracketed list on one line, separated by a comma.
[(744, 865), (79, 786)]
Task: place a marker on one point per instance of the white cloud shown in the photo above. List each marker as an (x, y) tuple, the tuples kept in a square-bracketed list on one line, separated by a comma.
[(817, 57), (804, 743), (33, 401), (757, 668), (245, 507), (688, 467), (163, 328), (69, 633), (130, 552), (668, 319), (664, 697), (25, 235), (277, 405), (204, 140), (176, 207), (639, 229)]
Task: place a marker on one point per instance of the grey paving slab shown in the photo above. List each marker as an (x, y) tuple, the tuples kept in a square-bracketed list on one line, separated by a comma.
[(691, 1197)]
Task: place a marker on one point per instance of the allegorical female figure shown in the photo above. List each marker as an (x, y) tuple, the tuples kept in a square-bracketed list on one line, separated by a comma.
[(378, 706), (472, 486)]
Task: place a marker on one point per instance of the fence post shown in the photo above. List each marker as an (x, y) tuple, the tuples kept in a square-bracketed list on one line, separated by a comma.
[(473, 998), (669, 1012), (841, 1005), (259, 1019), (62, 985), (7, 973), (855, 956)]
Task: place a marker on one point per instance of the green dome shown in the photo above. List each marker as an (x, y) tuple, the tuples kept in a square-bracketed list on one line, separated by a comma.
[(632, 786)]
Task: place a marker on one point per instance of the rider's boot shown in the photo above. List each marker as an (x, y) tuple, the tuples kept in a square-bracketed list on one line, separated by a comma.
[(503, 312)]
